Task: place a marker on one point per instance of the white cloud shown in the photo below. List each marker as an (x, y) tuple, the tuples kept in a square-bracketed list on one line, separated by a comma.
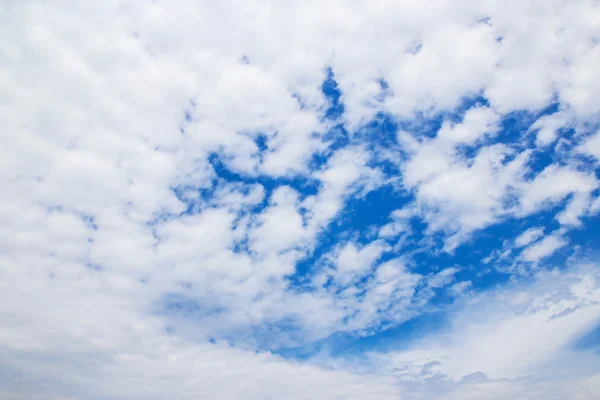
[(346, 172), (442, 278), (388, 296), (351, 262), (497, 335), (591, 146), (280, 225), (544, 248), (576, 208), (595, 206), (553, 184), (109, 108), (529, 236), (118, 352), (459, 194), (547, 127)]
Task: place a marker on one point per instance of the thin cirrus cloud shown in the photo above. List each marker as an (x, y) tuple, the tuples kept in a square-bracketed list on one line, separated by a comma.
[(356, 200)]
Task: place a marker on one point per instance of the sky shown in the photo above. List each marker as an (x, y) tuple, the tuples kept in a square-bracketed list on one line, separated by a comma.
[(344, 200)]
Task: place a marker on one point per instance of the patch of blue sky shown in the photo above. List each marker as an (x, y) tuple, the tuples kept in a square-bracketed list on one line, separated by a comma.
[(589, 341), (381, 131), (262, 142), (515, 127), (396, 337), (333, 95), (349, 345), (336, 138), (586, 237)]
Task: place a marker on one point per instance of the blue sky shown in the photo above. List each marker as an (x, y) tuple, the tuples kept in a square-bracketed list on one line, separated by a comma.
[(357, 200)]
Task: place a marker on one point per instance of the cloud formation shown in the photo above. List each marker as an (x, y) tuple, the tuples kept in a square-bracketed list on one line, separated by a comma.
[(211, 200)]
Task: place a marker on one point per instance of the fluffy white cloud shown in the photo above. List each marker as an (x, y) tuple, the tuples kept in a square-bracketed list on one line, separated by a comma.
[(553, 184), (576, 208), (460, 194), (591, 146), (547, 128), (351, 262), (124, 248)]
